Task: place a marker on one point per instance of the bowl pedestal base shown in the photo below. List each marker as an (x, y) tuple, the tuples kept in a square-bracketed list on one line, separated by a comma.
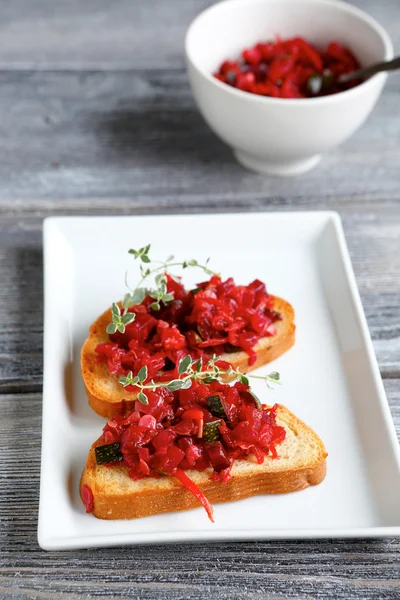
[(283, 168)]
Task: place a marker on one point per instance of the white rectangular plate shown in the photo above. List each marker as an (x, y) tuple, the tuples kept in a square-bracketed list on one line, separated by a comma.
[(330, 378)]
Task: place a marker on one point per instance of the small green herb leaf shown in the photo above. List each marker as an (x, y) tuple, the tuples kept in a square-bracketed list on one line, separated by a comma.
[(127, 301), (160, 278), (142, 375), (199, 365), (115, 309), (142, 253), (111, 328), (128, 318), (155, 306), (128, 380), (209, 379), (274, 376), (186, 384), (175, 384), (244, 379), (167, 298), (143, 398), (184, 364), (144, 272), (121, 328), (138, 296)]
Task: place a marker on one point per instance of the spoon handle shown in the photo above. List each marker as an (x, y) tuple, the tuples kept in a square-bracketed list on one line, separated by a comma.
[(366, 72)]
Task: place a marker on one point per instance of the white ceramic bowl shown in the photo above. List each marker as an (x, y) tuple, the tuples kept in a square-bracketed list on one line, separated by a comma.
[(273, 135)]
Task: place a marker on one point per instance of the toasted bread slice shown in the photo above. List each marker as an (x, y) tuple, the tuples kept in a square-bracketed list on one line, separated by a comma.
[(107, 397), (301, 463)]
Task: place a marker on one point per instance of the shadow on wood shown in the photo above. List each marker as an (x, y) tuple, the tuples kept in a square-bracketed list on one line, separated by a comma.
[(149, 133), (21, 364)]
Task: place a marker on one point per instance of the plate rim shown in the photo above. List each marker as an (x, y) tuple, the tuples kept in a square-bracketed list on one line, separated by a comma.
[(47, 542)]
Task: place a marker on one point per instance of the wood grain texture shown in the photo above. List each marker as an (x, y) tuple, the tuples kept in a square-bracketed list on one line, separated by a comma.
[(83, 138), (98, 34), (97, 118), (124, 34)]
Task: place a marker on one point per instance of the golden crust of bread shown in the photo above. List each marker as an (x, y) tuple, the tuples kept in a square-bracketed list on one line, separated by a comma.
[(108, 398), (301, 463)]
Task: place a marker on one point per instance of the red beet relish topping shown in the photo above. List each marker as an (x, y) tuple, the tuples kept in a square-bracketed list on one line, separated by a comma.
[(87, 498), (170, 434), (217, 317), (286, 68)]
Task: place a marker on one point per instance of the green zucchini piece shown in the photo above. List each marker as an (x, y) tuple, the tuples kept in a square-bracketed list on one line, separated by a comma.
[(215, 406), (108, 453), (211, 431)]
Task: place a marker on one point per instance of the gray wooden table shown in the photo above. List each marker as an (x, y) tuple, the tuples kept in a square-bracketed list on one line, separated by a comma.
[(96, 117)]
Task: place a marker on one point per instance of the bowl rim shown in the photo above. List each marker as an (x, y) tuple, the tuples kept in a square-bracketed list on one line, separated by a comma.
[(333, 98)]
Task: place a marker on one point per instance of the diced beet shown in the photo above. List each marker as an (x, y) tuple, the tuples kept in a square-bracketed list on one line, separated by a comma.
[(217, 456), (87, 497), (282, 69), (148, 421), (163, 439), (174, 457)]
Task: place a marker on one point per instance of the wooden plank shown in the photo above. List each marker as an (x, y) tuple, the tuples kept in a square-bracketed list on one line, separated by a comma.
[(98, 34), (73, 141), (325, 570), (123, 34)]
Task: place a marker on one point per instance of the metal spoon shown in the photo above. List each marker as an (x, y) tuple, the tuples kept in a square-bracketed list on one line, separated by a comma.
[(364, 73), (317, 83)]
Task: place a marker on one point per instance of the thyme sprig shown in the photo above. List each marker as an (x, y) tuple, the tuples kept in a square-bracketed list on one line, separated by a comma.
[(189, 371), (119, 320), (159, 294)]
